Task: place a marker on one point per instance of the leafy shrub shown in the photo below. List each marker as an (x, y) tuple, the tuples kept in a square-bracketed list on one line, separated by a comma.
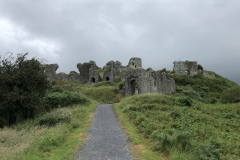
[(165, 140), (105, 83), (204, 151), (51, 119), (231, 95), (57, 99), (57, 89), (183, 140), (149, 69), (200, 67), (184, 101), (144, 107), (122, 85), (103, 94), (229, 115), (175, 114)]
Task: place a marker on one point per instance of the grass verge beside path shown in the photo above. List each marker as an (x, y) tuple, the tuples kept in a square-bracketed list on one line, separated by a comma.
[(182, 129), (138, 145), (57, 140)]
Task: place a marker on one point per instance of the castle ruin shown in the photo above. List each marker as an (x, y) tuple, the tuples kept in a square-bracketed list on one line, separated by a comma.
[(112, 71), (185, 68), (189, 68), (147, 81), (135, 63)]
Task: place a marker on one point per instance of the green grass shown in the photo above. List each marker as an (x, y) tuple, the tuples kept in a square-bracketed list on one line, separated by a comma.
[(58, 141), (138, 145), (209, 88), (104, 94), (193, 130)]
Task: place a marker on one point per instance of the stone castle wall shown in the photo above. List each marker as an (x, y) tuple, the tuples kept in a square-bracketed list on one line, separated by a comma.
[(185, 68)]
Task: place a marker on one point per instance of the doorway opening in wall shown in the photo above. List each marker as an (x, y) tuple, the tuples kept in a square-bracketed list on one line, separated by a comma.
[(133, 87), (93, 79), (107, 78)]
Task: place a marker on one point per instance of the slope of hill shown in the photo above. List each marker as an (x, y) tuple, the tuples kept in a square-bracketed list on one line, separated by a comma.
[(193, 123)]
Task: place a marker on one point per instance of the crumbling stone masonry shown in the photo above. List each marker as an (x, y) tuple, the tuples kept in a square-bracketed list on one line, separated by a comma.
[(72, 76), (208, 73), (94, 76), (135, 63), (84, 70), (50, 70), (185, 68), (148, 82), (112, 71)]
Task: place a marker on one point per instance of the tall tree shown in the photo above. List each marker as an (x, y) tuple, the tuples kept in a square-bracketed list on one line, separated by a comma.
[(22, 85)]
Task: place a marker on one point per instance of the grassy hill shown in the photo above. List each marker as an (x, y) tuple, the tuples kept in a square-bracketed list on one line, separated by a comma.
[(200, 121)]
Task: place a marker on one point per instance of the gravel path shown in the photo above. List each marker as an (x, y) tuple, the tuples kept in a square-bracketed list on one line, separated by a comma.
[(107, 140)]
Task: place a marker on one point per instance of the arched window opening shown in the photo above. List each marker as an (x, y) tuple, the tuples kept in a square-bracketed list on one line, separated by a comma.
[(107, 78), (93, 79)]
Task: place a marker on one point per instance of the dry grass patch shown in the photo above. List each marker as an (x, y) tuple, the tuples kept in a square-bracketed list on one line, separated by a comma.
[(14, 141)]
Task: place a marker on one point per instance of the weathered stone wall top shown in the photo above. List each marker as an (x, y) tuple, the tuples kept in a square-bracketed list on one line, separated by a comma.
[(112, 71), (50, 70), (148, 82), (135, 62), (185, 68), (84, 70)]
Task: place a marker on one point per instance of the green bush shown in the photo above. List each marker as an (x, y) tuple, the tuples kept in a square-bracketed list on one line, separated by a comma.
[(200, 67), (57, 89), (58, 99), (122, 85), (51, 119), (184, 101), (105, 83), (204, 151), (231, 95), (103, 94)]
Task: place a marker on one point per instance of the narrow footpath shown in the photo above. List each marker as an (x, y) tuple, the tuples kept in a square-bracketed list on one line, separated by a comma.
[(107, 140)]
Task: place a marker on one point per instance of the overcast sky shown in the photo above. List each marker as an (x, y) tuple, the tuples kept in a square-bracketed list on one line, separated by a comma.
[(160, 32)]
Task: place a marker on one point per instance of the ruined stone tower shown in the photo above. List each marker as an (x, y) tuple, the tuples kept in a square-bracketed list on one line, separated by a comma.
[(112, 71), (135, 63), (85, 72), (50, 70)]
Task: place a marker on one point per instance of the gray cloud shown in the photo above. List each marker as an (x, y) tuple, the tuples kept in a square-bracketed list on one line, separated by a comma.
[(158, 31)]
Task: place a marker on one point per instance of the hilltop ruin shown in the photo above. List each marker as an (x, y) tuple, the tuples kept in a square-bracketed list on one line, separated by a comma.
[(147, 81)]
